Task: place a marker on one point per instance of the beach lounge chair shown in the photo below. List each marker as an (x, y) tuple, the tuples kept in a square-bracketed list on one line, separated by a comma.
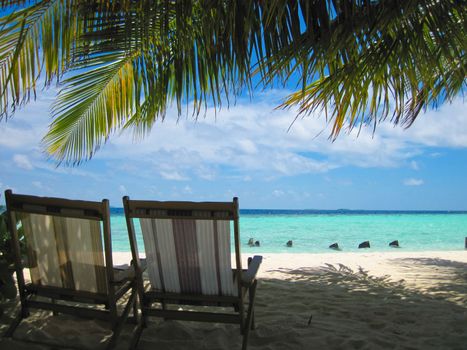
[(67, 248), (189, 261)]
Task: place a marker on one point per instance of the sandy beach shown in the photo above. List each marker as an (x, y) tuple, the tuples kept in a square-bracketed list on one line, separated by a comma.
[(364, 300)]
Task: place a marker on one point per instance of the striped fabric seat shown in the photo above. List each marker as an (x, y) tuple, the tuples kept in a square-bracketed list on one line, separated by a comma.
[(189, 256), (188, 260), (67, 247), (64, 252)]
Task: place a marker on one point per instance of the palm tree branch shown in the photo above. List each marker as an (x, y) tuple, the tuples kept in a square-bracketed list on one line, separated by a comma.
[(92, 105), (29, 37), (410, 62), (359, 61)]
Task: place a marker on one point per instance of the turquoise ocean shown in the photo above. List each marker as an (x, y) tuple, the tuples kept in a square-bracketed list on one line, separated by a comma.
[(312, 231)]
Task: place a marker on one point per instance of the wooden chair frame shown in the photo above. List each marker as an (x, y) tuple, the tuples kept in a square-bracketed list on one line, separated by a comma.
[(116, 287), (247, 283)]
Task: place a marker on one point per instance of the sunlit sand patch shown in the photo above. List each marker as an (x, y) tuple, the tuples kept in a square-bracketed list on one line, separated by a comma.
[(323, 301)]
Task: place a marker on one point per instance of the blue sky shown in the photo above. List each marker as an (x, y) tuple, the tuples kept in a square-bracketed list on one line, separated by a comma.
[(246, 151)]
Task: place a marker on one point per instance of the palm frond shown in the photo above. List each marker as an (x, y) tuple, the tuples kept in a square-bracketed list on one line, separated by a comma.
[(126, 61), (93, 104), (182, 57), (402, 58), (32, 38)]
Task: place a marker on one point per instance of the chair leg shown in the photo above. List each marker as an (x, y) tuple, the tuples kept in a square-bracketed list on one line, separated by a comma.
[(253, 324), (250, 316), (135, 306), (136, 335), (23, 313), (144, 316), (164, 307), (55, 313), (14, 324), (144, 305), (116, 329), (241, 310), (142, 302), (140, 324), (120, 321), (134, 318)]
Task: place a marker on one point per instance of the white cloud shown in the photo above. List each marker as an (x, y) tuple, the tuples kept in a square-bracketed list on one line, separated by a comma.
[(414, 165), (122, 189), (38, 184), (173, 175), (43, 188), (413, 182), (205, 173), (27, 127), (20, 137), (278, 193), (253, 137), (249, 138), (445, 127), (247, 146), (22, 161)]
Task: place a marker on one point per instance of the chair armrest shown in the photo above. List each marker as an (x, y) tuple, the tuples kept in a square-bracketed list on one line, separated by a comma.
[(249, 276), (143, 264), (125, 272)]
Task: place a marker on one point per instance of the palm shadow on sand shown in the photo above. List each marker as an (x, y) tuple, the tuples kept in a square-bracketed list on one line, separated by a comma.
[(450, 277), (350, 310)]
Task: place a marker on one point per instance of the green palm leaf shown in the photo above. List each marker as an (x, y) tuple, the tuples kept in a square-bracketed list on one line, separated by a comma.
[(93, 105), (34, 40), (162, 58), (395, 61), (126, 61)]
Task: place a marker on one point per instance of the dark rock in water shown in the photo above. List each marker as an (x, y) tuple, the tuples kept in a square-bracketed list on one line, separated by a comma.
[(334, 246), (251, 242), (394, 244), (257, 244), (365, 244), (289, 244)]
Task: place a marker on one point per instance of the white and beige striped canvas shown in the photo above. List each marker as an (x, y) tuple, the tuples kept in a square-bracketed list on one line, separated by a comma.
[(189, 256), (64, 252)]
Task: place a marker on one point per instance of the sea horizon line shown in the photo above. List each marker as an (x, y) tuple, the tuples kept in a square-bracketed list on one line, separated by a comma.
[(338, 211)]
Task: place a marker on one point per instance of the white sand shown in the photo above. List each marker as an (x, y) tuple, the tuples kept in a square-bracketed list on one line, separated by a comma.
[(363, 300)]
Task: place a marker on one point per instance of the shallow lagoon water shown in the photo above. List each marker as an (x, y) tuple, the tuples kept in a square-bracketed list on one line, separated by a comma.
[(313, 231)]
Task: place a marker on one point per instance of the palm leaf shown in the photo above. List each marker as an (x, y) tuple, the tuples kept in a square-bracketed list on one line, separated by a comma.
[(393, 63), (93, 104), (172, 59), (359, 61), (33, 40)]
